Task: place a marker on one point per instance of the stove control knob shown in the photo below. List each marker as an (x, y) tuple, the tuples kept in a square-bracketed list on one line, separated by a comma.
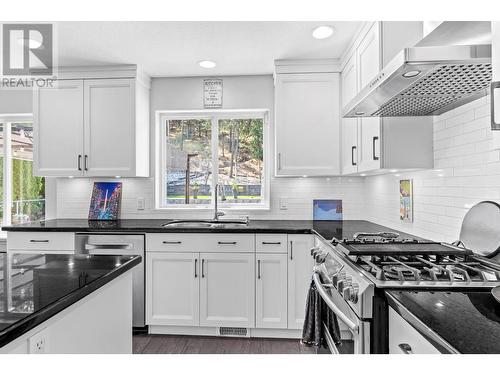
[(340, 280), (314, 250), (354, 293)]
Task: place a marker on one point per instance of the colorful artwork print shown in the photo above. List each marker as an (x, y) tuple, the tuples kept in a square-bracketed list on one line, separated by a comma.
[(406, 200), (327, 209), (105, 201)]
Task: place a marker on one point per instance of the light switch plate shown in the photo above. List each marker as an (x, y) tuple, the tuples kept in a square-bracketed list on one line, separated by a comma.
[(283, 203), (141, 204)]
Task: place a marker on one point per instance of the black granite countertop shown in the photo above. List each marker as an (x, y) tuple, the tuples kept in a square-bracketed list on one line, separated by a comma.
[(469, 321), (35, 287), (326, 229)]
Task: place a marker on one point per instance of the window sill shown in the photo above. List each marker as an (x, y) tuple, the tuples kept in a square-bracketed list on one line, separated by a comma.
[(222, 208)]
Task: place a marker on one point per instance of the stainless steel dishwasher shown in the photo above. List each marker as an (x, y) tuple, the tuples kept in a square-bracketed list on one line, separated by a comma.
[(119, 244)]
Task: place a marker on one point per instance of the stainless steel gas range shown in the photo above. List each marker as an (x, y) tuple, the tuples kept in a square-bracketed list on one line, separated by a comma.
[(352, 274)]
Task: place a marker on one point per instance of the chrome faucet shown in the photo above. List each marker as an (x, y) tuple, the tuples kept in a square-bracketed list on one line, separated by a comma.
[(217, 213)]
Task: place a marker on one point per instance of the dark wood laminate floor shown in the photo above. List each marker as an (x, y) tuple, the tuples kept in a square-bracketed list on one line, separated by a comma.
[(172, 344)]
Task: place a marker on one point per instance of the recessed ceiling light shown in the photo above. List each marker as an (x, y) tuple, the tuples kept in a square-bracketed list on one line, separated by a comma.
[(207, 64), (411, 73), (323, 32), (363, 174)]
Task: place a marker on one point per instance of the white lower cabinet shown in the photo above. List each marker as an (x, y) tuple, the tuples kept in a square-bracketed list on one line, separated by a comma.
[(227, 290), (404, 339), (271, 291), (300, 264), (172, 289)]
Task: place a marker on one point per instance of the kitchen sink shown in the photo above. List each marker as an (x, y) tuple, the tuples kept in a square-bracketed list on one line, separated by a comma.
[(205, 224)]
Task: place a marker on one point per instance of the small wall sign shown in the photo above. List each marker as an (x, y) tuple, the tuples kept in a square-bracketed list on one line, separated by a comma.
[(212, 93)]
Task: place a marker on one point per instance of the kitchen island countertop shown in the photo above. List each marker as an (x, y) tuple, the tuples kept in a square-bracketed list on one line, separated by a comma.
[(35, 287)]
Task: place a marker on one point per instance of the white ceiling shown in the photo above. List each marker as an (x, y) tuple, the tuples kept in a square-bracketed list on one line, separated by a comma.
[(174, 48)]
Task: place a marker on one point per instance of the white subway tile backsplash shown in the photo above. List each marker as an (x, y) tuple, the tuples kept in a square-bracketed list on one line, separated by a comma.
[(467, 170)]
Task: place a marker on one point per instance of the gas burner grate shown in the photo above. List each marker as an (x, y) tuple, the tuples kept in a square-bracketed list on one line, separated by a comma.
[(415, 268)]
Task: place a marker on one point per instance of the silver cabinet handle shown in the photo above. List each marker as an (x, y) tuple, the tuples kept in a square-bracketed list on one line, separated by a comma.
[(271, 243), (85, 163), (279, 161), (291, 250), (195, 268), (97, 246), (39, 241), (375, 139), (227, 243), (203, 268), (79, 162), (353, 149), (258, 269), (494, 125), (172, 242), (405, 348)]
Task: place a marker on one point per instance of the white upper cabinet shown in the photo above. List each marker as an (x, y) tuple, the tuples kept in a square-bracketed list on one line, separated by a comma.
[(368, 56), (369, 144), (110, 127), (58, 118), (307, 124), (102, 122), (349, 80), (349, 145)]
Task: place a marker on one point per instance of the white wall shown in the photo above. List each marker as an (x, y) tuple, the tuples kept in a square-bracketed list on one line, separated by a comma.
[(240, 92), (467, 170)]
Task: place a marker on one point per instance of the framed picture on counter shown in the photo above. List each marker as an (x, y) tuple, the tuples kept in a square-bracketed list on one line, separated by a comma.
[(327, 209), (106, 200), (406, 200)]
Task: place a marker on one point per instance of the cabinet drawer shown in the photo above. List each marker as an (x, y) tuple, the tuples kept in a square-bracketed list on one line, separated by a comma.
[(271, 243), (201, 242), (62, 242), (404, 339)]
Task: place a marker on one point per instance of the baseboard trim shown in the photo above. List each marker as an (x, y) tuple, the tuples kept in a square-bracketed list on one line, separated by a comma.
[(214, 331)]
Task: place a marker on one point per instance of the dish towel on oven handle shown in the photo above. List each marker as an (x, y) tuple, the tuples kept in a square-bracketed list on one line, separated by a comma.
[(317, 312)]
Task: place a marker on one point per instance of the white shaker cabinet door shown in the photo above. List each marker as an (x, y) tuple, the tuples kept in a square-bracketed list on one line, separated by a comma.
[(172, 289), (271, 291), (58, 129), (227, 290), (110, 147), (369, 143), (300, 265), (307, 126), (350, 145)]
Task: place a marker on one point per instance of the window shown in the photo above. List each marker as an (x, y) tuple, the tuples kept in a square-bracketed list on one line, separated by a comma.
[(198, 150), (22, 195)]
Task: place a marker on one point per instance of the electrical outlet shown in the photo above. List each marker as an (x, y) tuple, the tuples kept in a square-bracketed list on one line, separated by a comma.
[(141, 204), (283, 203), (38, 343)]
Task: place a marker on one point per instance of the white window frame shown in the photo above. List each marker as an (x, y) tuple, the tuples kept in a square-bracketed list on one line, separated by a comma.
[(214, 116), (7, 121)]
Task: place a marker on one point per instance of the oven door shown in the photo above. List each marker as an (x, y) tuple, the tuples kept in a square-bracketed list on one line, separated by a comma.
[(354, 332)]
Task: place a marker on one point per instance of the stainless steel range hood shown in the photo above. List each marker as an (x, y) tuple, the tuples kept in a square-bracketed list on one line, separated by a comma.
[(430, 79)]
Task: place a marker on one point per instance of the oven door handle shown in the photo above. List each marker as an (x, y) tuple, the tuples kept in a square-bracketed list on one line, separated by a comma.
[(324, 295)]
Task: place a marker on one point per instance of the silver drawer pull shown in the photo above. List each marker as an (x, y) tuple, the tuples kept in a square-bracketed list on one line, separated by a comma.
[(227, 243), (172, 242), (271, 243), (39, 241), (405, 348), (102, 246)]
